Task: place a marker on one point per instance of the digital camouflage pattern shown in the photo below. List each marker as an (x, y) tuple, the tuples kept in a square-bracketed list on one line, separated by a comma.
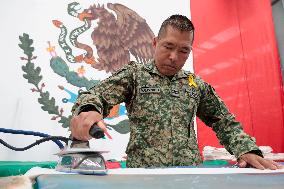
[(161, 113)]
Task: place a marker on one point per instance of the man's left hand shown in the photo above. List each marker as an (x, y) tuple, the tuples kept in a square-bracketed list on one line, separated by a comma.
[(250, 159)]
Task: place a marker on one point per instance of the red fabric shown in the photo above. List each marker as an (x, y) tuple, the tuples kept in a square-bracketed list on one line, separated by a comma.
[(235, 51), (112, 165)]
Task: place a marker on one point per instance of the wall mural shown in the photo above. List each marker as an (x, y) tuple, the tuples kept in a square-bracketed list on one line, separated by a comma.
[(114, 39)]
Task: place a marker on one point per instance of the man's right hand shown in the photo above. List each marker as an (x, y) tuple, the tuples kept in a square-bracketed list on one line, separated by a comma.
[(81, 124)]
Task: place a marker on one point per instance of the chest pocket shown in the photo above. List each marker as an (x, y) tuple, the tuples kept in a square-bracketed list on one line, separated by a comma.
[(148, 97), (189, 99)]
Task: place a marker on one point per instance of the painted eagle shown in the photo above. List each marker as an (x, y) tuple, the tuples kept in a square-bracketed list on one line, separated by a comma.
[(117, 37)]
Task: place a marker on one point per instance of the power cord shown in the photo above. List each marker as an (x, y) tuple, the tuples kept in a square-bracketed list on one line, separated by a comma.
[(55, 139), (37, 142)]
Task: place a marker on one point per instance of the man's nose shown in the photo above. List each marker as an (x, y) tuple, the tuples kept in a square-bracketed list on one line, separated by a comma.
[(173, 55)]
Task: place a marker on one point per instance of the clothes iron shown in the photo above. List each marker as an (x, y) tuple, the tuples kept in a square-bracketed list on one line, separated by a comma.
[(77, 157)]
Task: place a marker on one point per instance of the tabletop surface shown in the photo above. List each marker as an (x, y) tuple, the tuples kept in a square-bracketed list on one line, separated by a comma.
[(156, 181)]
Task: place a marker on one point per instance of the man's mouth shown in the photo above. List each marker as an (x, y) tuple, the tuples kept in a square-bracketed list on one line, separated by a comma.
[(170, 67)]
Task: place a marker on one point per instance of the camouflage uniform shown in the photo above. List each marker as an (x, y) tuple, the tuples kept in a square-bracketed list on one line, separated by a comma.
[(161, 115)]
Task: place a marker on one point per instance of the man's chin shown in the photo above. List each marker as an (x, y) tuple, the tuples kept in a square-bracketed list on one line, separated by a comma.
[(168, 73)]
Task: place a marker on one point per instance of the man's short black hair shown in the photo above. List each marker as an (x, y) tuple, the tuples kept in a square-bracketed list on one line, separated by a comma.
[(177, 21)]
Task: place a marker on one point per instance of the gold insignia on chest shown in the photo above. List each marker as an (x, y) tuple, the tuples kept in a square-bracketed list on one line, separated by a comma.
[(191, 81)]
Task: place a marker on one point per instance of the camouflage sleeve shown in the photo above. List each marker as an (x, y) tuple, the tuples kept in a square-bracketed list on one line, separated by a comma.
[(214, 113), (109, 92)]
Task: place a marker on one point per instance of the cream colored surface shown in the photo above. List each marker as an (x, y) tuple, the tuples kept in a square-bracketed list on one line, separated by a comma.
[(15, 182)]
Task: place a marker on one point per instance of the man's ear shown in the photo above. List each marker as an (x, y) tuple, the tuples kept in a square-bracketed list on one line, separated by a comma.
[(154, 42)]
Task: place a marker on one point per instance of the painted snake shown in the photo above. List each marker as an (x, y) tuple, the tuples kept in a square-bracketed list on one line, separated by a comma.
[(88, 58)]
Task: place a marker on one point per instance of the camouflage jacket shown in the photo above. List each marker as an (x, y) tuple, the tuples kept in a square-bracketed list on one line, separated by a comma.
[(161, 115)]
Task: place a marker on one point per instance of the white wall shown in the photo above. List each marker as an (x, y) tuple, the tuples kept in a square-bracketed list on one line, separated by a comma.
[(19, 108)]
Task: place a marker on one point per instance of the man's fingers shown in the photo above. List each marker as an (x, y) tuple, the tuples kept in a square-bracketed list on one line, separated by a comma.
[(242, 163), (102, 125), (265, 163), (253, 160), (268, 165), (81, 128), (80, 125), (74, 127), (257, 164), (279, 166)]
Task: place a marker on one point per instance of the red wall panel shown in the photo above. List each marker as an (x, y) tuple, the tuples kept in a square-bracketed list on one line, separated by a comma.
[(235, 50)]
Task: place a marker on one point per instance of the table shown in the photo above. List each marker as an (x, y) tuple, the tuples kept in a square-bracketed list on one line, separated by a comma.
[(156, 181)]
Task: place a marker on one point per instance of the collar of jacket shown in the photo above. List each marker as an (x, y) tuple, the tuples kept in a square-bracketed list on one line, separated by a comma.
[(151, 68)]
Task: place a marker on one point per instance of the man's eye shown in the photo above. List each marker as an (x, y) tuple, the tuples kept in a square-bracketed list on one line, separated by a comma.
[(184, 51), (168, 47)]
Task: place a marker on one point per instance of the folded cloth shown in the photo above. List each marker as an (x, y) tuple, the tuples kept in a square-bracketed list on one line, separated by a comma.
[(16, 182)]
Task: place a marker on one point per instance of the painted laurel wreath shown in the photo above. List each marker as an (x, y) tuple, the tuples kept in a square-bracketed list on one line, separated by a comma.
[(128, 30)]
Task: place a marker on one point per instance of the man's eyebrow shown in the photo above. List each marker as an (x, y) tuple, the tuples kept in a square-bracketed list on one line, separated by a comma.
[(186, 47), (168, 43)]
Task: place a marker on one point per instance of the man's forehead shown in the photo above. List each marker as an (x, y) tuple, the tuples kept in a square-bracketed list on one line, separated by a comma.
[(178, 44), (175, 42), (172, 31)]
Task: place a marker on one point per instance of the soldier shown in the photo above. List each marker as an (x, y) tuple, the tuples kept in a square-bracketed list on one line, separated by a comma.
[(162, 101)]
